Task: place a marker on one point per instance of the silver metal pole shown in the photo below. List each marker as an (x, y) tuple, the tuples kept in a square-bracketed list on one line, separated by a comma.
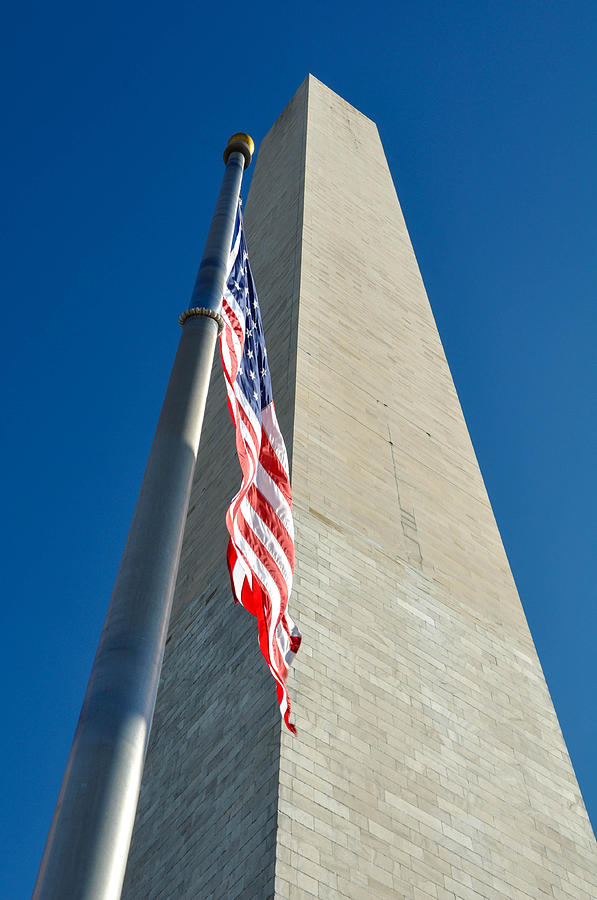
[(87, 847)]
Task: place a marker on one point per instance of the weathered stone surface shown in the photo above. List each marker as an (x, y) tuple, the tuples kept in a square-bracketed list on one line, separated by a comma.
[(429, 761)]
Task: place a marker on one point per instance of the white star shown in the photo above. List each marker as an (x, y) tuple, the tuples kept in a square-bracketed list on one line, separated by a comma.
[(250, 354), (236, 285), (252, 374), (263, 372), (255, 395)]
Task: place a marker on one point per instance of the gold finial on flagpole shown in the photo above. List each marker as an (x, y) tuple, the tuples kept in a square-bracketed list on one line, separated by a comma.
[(240, 143)]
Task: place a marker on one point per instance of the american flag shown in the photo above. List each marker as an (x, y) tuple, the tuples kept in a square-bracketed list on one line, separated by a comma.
[(259, 519)]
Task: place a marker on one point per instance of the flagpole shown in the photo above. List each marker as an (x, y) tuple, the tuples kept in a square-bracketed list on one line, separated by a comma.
[(87, 847)]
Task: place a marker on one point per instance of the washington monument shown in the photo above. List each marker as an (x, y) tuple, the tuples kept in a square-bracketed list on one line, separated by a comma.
[(429, 762)]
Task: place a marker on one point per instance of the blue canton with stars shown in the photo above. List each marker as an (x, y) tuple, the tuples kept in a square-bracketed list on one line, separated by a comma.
[(253, 375)]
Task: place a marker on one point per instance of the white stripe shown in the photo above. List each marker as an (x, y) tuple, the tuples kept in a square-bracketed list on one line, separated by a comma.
[(235, 352), (290, 654), (227, 360), (228, 322), (268, 539), (235, 306), (248, 409), (272, 429), (252, 450), (232, 401), (234, 396), (241, 572), (229, 330), (234, 251), (283, 640), (247, 479), (276, 499)]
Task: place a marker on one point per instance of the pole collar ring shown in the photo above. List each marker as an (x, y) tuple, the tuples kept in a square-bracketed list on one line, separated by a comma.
[(202, 311)]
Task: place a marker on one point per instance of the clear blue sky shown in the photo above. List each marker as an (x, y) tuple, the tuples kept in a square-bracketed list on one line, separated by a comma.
[(115, 116)]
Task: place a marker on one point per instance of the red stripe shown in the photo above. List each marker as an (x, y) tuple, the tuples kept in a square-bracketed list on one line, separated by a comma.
[(246, 459), (231, 372), (272, 465), (245, 465), (250, 427), (263, 554), (237, 412), (235, 324), (226, 336), (240, 412), (263, 509)]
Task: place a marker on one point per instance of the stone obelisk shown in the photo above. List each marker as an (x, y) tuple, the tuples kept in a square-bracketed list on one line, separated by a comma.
[(429, 761)]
